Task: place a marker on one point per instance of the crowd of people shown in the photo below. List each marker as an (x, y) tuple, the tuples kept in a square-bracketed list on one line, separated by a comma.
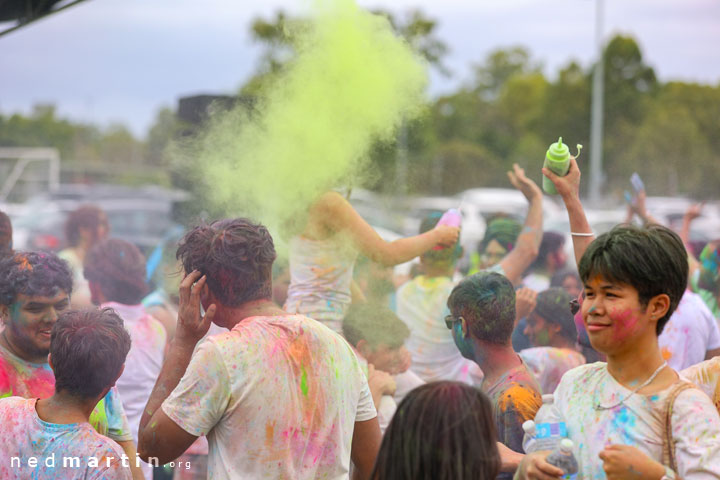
[(340, 373)]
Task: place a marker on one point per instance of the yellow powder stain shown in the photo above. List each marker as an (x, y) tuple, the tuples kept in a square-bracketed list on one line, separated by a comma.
[(269, 434), (526, 402)]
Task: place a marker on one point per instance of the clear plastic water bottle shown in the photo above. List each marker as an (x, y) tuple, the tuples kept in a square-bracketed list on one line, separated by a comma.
[(564, 459), (552, 430), (529, 437)]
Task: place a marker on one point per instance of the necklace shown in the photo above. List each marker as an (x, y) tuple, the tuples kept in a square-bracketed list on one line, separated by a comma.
[(647, 382)]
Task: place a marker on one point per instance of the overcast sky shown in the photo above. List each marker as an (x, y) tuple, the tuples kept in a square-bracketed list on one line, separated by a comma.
[(107, 61)]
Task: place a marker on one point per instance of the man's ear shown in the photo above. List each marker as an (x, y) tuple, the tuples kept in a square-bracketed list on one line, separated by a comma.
[(464, 327), (658, 306), (206, 297), (4, 314), (363, 347)]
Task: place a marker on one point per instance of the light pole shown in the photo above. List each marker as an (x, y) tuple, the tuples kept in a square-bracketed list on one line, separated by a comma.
[(596, 116)]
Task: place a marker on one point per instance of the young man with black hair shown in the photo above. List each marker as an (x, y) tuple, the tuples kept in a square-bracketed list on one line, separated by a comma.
[(51, 437), (278, 395), (551, 330), (482, 317), (622, 414), (35, 287)]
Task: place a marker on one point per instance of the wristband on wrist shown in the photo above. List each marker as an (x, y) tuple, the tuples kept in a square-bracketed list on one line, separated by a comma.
[(579, 234)]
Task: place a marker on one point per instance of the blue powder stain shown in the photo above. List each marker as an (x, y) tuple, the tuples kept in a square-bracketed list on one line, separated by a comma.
[(623, 422)]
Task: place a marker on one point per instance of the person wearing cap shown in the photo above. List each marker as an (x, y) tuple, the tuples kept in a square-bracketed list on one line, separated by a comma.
[(551, 330)]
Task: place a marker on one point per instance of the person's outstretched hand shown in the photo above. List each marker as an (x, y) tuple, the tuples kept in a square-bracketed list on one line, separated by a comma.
[(694, 211), (623, 461), (523, 183), (191, 325), (447, 236), (525, 302), (569, 185)]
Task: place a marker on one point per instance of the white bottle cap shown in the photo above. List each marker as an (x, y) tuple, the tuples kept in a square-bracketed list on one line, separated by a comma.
[(566, 445), (529, 427)]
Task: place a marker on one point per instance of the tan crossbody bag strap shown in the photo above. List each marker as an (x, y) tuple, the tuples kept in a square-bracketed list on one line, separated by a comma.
[(669, 455)]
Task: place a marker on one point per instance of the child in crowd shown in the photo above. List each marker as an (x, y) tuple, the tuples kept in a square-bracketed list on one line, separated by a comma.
[(482, 317), (50, 438), (115, 270), (620, 414), (377, 335), (422, 305), (551, 329), (441, 431), (84, 227), (34, 289), (322, 257)]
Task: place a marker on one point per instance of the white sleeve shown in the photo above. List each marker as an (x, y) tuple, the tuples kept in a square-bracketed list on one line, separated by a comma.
[(203, 394), (696, 432), (366, 407), (713, 341)]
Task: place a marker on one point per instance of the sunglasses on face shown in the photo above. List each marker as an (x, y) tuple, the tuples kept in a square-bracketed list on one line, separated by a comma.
[(450, 321), (574, 306)]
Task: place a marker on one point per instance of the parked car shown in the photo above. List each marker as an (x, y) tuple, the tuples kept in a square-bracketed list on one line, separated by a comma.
[(142, 216)]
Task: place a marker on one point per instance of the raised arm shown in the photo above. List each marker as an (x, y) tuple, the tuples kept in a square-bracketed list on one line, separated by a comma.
[(337, 215), (528, 242), (569, 189)]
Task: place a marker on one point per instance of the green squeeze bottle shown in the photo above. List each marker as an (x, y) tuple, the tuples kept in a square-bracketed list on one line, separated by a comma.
[(557, 160)]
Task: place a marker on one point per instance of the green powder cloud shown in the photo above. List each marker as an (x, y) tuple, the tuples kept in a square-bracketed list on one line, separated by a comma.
[(353, 82)]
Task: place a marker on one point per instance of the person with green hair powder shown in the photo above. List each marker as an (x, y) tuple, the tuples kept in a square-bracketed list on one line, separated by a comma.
[(509, 248)]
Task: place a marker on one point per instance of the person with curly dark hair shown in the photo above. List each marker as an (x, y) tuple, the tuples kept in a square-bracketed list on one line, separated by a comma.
[(84, 227), (278, 396), (6, 241), (115, 270), (87, 354), (440, 431), (35, 288)]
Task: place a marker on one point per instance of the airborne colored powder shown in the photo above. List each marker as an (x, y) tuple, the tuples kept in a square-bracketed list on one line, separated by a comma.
[(353, 82)]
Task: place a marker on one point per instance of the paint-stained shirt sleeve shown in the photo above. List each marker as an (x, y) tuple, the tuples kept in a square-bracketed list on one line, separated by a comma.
[(512, 413), (118, 425), (202, 396), (696, 431), (366, 407)]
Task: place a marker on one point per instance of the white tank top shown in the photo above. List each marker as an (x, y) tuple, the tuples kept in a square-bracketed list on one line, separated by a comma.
[(321, 272)]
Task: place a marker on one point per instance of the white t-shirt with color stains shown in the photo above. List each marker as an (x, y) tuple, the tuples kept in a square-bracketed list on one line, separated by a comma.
[(277, 397), (422, 306), (33, 448), (689, 333), (635, 420), (549, 364)]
